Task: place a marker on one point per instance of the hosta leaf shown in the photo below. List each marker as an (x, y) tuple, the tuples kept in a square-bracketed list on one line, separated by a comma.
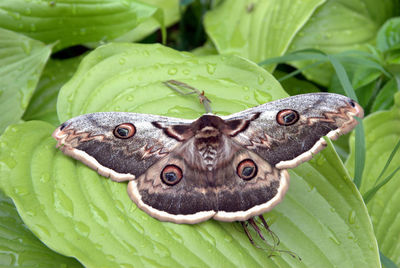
[(19, 247), (74, 22), (81, 214), (341, 25), (44, 100), (170, 9), (382, 130), (127, 77), (21, 62), (257, 30)]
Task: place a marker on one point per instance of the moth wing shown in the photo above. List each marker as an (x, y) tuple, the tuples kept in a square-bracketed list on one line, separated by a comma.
[(91, 139), (201, 194), (260, 129)]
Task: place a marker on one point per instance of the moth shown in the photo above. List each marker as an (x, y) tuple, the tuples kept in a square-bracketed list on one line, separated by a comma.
[(229, 168)]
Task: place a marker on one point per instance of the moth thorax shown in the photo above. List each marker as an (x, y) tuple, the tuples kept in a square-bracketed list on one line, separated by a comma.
[(208, 141)]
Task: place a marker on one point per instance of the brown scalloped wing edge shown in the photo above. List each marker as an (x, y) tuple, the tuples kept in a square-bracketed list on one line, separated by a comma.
[(217, 215), (88, 160), (321, 143)]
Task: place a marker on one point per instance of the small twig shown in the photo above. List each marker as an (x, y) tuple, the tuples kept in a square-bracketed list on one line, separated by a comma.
[(174, 84)]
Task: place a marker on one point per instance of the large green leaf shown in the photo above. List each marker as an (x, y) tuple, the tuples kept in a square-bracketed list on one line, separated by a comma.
[(127, 77), (257, 30), (74, 22), (170, 9), (19, 247), (382, 130), (341, 25), (79, 213), (21, 62), (44, 100)]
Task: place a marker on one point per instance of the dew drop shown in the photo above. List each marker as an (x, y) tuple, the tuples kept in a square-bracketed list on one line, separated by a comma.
[(73, 9), (63, 203), (261, 79), (44, 178), (98, 214), (21, 190), (262, 96), (352, 217), (211, 68), (245, 88), (82, 31), (15, 15), (32, 27), (161, 250), (186, 71), (320, 160), (28, 11), (130, 98), (82, 228), (122, 61), (172, 71)]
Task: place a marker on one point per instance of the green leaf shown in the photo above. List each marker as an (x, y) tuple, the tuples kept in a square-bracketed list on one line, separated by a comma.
[(79, 213), (21, 63), (385, 98), (127, 77), (44, 100), (74, 22), (295, 86), (341, 25), (260, 30), (389, 35), (170, 9), (19, 247), (382, 130)]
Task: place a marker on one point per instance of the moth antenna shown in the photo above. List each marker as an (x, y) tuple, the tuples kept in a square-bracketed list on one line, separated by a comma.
[(174, 84)]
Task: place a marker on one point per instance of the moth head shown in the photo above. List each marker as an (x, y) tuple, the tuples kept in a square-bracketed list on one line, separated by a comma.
[(171, 175)]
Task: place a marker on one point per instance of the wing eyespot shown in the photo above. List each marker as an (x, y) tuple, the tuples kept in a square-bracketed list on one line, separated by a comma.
[(287, 117), (171, 175), (124, 131), (247, 169)]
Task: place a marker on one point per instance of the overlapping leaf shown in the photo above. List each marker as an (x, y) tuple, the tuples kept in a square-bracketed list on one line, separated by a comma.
[(382, 130), (21, 62), (81, 214), (341, 25), (19, 247), (44, 101), (257, 30), (75, 22)]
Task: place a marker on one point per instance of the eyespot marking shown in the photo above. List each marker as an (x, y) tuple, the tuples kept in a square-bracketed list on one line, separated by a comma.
[(287, 117), (124, 131), (171, 175), (247, 169)]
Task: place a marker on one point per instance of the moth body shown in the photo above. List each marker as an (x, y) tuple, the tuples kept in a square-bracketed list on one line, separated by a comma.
[(228, 168)]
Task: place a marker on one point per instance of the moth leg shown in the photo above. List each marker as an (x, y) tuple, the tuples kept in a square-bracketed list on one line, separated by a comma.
[(174, 84), (244, 225), (274, 237), (255, 227)]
